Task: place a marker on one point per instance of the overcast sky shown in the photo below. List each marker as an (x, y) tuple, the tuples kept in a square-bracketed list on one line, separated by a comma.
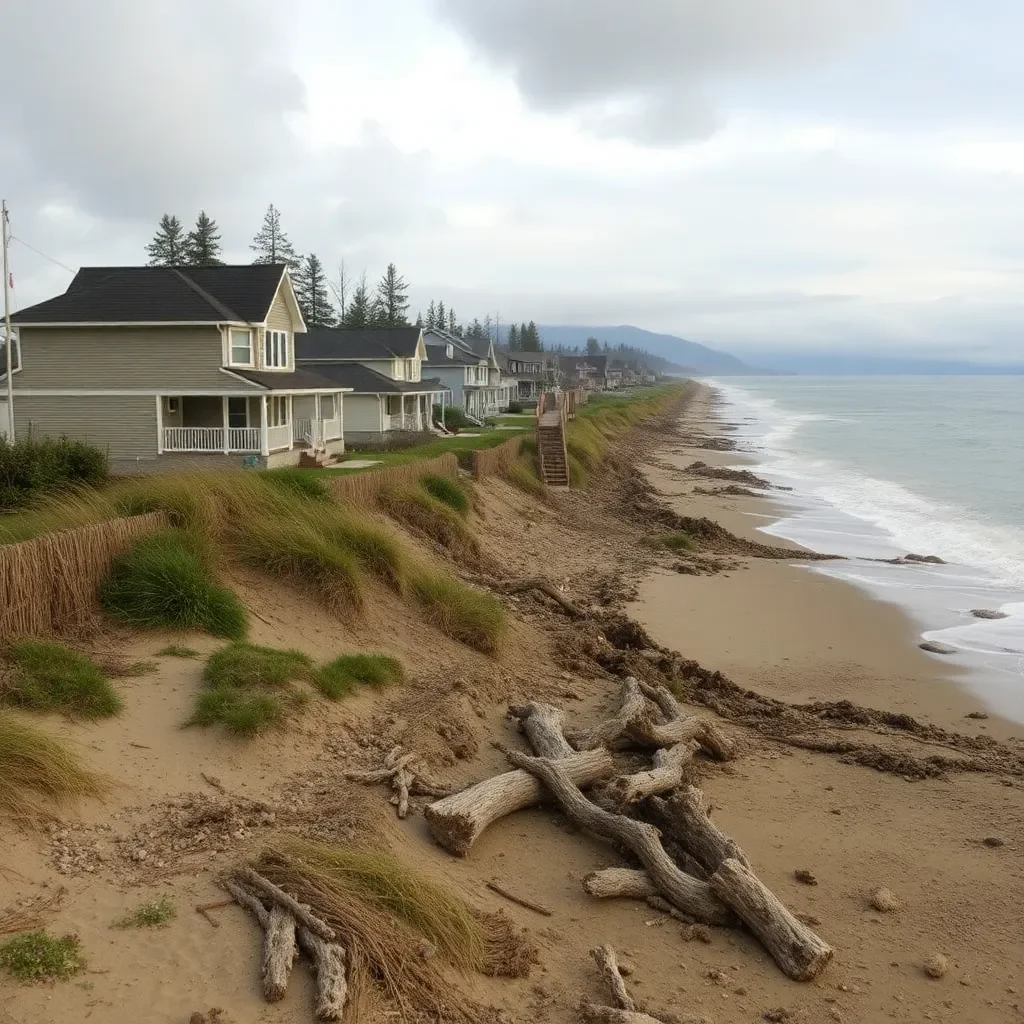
[(745, 173)]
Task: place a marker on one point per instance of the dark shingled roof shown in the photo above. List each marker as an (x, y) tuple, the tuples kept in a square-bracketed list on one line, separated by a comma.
[(363, 380), (437, 355), (358, 343), (302, 379), (242, 293)]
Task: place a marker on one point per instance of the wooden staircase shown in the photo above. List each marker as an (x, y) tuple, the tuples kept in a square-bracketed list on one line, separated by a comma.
[(551, 452)]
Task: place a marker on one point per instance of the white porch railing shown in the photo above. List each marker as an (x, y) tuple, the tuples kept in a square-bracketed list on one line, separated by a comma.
[(331, 429), (302, 430), (211, 439), (279, 437), (406, 421)]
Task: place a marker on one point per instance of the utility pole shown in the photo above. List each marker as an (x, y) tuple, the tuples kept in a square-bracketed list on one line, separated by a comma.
[(8, 340)]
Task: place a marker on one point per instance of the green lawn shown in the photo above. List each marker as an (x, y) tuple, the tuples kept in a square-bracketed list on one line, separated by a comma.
[(460, 444)]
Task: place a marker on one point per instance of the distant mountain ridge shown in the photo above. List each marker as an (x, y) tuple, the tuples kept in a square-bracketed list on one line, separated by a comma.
[(688, 355)]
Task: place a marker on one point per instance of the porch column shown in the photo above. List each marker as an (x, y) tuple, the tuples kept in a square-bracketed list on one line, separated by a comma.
[(159, 425), (264, 427), (339, 412), (319, 434), (291, 425), (224, 416)]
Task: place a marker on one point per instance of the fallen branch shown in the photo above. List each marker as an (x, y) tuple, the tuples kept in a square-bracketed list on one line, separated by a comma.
[(407, 775), (618, 883), (666, 775), (329, 964), (800, 953), (204, 909), (280, 949), (608, 965), (612, 1015), (299, 911), (529, 904), (631, 704), (683, 817), (542, 725), (691, 896), (457, 821), (547, 588)]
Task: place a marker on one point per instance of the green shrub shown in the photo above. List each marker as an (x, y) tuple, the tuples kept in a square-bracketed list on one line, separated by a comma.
[(300, 482), (249, 687), (154, 914), (164, 582), (678, 542), (340, 676), (472, 617), (36, 956), (514, 408), (449, 491), (47, 676), (32, 467), (453, 418)]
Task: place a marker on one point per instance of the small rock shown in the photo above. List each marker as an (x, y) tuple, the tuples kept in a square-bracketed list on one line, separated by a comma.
[(716, 976), (808, 919), (741, 991), (936, 966), (993, 841), (935, 647), (884, 900), (700, 932), (626, 968), (834, 1013), (988, 613), (925, 559), (805, 877), (977, 714), (778, 1016)]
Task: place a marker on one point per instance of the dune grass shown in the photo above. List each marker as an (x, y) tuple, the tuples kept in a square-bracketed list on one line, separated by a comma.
[(425, 515), (164, 582), (154, 914), (473, 617), (177, 651), (450, 491), (37, 956), (38, 773), (249, 688), (298, 482), (677, 541), (579, 477), (341, 676), (47, 676)]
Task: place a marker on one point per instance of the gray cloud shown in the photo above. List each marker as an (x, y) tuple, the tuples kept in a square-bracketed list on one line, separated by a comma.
[(643, 69)]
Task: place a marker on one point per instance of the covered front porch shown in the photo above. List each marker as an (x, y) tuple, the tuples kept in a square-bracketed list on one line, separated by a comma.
[(407, 412), (250, 424)]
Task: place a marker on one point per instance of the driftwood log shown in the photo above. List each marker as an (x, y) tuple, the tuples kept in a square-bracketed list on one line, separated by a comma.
[(631, 704), (302, 914), (280, 948), (542, 725), (613, 1015), (691, 896), (665, 776), (547, 588), (683, 817), (457, 821), (800, 953), (329, 964), (608, 964), (620, 883), (406, 773)]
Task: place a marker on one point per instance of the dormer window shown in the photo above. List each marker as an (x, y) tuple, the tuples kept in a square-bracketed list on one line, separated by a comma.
[(275, 350), (241, 347)]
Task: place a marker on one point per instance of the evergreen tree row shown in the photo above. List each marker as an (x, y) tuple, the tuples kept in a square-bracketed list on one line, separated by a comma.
[(173, 247), (524, 338)]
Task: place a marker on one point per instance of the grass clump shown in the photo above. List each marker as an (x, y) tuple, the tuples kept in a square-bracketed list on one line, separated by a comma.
[(299, 482), (164, 582), (177, 651), (678, 541), (447, 490), (579, 477), (523, 474), (38, 773), (340, 676), (470, 616), (430, 518), (249, 688), (37, 956), (154, 914), (47, 676)]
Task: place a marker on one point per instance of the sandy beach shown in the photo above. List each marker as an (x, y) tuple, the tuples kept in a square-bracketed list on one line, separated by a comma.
[(918, 827)]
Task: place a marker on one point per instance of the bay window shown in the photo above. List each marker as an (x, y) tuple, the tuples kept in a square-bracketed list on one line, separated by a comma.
[(275, 350)]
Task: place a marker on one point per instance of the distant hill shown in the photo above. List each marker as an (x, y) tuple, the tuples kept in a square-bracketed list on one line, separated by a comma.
[(685, 354)]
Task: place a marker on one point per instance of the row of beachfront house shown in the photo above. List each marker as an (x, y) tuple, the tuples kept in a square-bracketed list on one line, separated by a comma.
[(166, 367)]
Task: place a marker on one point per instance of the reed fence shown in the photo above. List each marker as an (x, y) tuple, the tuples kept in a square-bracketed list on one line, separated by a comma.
[(490, 461), (50, 585), (363, 488)]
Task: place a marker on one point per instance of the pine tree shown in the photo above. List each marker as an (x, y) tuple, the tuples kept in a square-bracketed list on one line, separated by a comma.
[(442, 317), (593, 346), (431, 315), (392, 297), (529, 337), (271, 244), (453, 323), (168, 246), (202, 247), (475, 331), (513, 338), (361, 310), (311, 291), (419, 321)]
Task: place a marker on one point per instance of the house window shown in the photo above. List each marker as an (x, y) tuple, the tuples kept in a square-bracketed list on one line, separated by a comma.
[(277, 409), (410, 369), (275, 350), (399, 366), (241, 347), (238, 412), (171, 406), (327, 407), (394, 405)]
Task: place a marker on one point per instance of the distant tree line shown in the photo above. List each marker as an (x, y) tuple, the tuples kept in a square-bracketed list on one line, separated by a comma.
[(628, 355)]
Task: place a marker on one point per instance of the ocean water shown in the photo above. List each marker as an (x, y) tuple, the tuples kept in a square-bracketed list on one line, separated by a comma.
[(882, 467)]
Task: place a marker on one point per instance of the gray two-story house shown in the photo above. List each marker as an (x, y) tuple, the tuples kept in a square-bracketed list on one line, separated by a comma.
[(470, 369), (171, 367)]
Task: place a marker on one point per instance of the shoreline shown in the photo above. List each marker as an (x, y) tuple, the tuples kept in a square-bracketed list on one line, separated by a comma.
[(758, 633)]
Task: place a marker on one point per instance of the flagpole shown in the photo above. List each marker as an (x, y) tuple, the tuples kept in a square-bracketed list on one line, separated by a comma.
[(8, 340)]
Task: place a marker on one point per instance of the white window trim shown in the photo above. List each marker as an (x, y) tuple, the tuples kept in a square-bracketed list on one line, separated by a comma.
[(273, 338), (251, 364)]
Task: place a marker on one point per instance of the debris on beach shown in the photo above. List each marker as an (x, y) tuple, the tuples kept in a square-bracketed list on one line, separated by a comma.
[(884, 900), (988, 613), (936, 966), (937, 647)]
